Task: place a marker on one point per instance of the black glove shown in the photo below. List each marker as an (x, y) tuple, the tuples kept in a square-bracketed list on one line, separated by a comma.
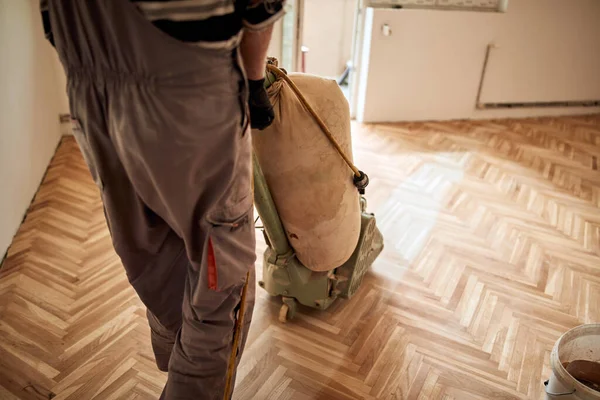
[(261, 109)]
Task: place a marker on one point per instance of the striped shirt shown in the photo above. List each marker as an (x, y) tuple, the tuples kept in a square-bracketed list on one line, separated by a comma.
[(206, 23)]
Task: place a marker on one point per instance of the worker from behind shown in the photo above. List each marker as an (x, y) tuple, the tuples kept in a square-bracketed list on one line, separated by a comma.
[(162, 95)]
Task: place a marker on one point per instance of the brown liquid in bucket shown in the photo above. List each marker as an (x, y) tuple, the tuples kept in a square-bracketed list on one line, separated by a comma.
[(586, 372)]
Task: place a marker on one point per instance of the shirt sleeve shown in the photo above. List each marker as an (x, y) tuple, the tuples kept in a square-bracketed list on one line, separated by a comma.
[(262, 13)]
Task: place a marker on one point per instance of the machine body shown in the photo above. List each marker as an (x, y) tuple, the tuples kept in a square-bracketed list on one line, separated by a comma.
[(284, 275)]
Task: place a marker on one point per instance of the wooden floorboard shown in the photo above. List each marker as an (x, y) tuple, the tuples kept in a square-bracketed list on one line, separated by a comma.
[(492, 232)]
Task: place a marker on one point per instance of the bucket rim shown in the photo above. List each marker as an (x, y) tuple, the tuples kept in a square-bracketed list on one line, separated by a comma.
[(561, 372)]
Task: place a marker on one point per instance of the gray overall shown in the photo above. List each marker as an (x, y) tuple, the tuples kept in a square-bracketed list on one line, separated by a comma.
[(163, 130)]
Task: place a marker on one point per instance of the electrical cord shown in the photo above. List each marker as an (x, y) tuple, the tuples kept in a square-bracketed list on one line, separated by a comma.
[(237, 338)]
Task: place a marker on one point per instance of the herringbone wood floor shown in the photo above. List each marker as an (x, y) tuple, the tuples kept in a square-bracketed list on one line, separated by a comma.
[(493, 250)]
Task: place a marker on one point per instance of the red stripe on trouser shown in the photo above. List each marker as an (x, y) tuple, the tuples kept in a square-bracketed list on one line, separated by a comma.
[(212, 266)]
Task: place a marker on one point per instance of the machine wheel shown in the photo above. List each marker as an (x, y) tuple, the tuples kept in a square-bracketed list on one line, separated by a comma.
[(288, 309), (283, 313)]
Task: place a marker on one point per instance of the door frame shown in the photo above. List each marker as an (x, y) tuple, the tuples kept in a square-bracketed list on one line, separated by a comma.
[(291, 44), (356, 55), (291, 32)]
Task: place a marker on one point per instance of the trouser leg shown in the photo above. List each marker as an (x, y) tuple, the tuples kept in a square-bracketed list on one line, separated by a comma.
[(200, 357), (162, 340), (152, 253), (192, 325), (178, 195)]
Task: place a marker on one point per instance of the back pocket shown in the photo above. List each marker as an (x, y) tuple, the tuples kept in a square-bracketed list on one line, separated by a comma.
[(231, 246)]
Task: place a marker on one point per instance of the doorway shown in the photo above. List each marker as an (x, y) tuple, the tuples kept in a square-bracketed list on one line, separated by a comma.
[(318, 37)]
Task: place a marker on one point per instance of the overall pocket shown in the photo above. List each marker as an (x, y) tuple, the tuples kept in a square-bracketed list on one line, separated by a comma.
[(231, 248)]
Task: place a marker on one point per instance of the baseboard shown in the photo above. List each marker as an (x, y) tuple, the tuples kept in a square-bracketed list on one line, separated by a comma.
[(547, 104)]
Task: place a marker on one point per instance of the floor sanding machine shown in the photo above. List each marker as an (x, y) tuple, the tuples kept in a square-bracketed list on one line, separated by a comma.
[(343, 215)]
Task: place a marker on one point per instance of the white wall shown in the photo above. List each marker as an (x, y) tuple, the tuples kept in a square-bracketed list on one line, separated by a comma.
[(430, 67), (29, 109), (327, 32), (276, 40), (547, 49), (61, 85)]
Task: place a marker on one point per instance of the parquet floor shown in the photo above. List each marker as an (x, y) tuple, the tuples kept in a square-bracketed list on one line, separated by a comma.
[(492, 233)]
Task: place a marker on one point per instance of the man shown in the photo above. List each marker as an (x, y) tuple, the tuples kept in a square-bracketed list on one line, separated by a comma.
[(158, 94)]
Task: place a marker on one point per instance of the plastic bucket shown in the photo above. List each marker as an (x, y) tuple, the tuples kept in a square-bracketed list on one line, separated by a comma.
[(580, 343)]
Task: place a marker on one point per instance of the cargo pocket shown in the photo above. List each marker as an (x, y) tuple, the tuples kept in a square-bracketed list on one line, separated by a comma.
[(230, 251)]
